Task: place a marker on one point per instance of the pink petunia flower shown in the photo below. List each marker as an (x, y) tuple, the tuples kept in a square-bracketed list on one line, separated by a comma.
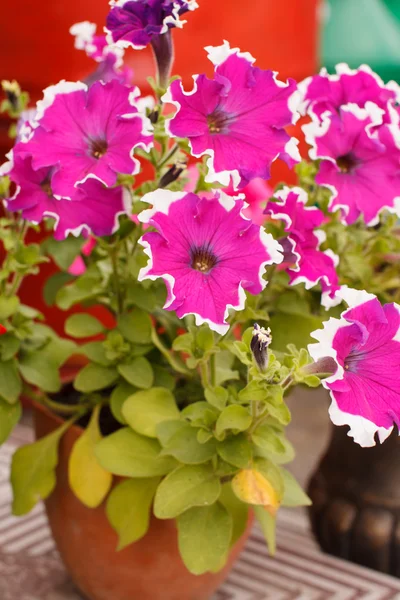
[(256, 194), (237, 118), (137, 23), (87, 133), (78, 266), (94, 208), (109, 58), (206, 252), (305, 262), (359, 161), (328, 93), (365, 343)]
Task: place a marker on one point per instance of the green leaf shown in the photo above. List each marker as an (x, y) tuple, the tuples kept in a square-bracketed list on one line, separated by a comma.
[(236, 450), (83, 325), (33, 471), (53, 285), (36, 368), (253, 392), (10, 414), (204, 535), (163, 378), (184, 446), (217, 397), (136, 326), (87, 478), (200, 414), (141, 297), (138, 373), (9, 346), (144, 410), (118, 397), (272, 473), (187, 486), (268, 439), (129, 454), (167, 429), (64, 252), (95, 377), (238, 510), (10, 381), (57, 350), (268, 526), (293, 329), (293, 494), (128, 509), (223, 367), (233, 417), (183, 343), (95, 352), (204, 338), (8, 306)]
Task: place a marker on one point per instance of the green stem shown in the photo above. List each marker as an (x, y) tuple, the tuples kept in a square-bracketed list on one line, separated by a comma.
[(174, 361), (212, 370), (204, 375), (118, 291), (168, 157)]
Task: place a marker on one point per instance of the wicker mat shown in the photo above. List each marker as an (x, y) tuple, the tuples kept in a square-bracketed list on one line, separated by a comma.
[(30, 568)]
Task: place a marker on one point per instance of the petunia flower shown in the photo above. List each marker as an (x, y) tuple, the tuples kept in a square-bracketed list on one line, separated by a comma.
[(365, 343), (109, 57), (94, 207), (237, 118), (359, 161), (87, 133), (256, 194), (137, 23), (78, 266), (206, 252), (305, 262), (328, 93)]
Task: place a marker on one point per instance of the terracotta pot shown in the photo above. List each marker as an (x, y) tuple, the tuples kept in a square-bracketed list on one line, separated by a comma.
[(150, 569)]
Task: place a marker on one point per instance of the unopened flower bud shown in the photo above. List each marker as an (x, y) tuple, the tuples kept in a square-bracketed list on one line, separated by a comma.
[(173, 174), (12, 91), (259, 345), (153, 116), (323, 367)]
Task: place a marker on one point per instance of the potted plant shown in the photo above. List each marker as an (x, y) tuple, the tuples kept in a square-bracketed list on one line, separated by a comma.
[(161, 435)]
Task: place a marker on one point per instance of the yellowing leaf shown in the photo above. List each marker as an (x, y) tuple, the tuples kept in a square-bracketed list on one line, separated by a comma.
[(252, 487), (87, 478)]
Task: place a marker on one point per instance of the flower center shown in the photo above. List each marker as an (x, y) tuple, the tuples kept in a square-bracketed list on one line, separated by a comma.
[(346, 163), (98, 148), (216, 121), (203, 259), (46, 187)]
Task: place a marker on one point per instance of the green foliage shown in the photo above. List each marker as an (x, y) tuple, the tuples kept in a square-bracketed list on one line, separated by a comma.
[(138, 373), (129, 454), (204, 535), (33, 471), (128, 509), (9, 417), (83, 325), (186, 448), (144, 410), (186, 486), (95, 377)]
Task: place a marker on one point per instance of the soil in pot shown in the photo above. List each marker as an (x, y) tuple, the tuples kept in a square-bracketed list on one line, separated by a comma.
[(150, 569)]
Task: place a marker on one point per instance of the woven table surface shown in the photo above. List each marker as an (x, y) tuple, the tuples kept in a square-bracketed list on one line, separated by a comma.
[(30, 568)]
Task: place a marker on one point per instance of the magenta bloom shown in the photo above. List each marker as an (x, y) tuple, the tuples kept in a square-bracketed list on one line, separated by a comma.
[(137, 22), (78, 266), (86, 133), (365, 343), (206, 252), (94, 208), (237, 118), (360, 162), (324, 92), (109, 58), (305, 262)]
